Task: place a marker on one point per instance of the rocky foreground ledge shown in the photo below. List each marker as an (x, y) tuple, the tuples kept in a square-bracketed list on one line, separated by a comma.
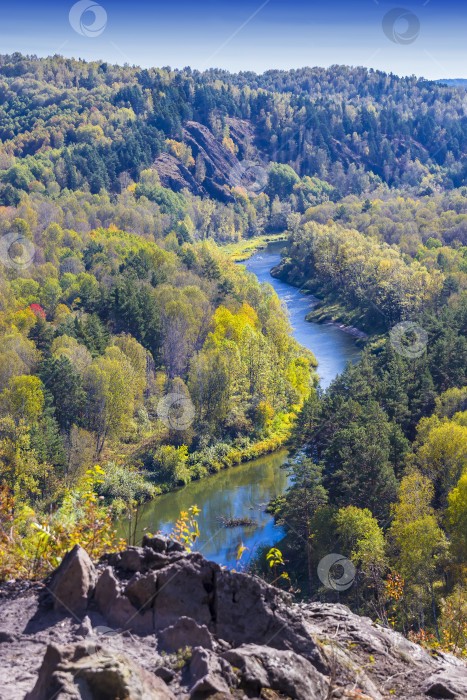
[(157, 622)]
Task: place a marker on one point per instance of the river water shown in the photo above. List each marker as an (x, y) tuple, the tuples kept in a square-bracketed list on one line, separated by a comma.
[(243, 491)]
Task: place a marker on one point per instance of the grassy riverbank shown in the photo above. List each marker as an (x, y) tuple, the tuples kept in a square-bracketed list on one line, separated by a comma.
[(187, 467), (244, 249)]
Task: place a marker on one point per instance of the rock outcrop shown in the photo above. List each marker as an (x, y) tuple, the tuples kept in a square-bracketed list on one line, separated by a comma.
[(223, 168), (73, 673), (159, 622), (175, 176), (73, 582)]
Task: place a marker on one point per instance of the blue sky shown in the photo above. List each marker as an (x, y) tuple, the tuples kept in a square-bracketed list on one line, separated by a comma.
[(427, 39)]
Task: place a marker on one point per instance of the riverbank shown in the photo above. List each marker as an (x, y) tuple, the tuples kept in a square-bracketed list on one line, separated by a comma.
[(222, 456), (244, 249), (328, 308), (333, 313)]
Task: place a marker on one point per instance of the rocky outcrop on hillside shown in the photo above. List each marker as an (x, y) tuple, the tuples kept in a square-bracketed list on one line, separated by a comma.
[(175, 176), (223, 168), (157, 622)]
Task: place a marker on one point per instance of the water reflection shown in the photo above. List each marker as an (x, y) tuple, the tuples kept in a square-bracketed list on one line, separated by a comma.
[(239, 492)]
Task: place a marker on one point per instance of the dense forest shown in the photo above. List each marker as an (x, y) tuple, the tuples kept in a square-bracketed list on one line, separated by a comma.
[(118, 189)]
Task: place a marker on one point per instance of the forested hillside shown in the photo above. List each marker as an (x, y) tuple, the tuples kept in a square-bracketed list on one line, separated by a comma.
[(77, 122), (118, 188)]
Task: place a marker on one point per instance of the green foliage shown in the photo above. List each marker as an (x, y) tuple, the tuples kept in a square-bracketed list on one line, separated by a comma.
[(281, 180), (33, 545), (122, 483), (169, 465), (362, 540), (456, 517)]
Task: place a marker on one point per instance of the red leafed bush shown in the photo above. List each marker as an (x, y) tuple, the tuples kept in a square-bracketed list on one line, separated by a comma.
[(37, 310)]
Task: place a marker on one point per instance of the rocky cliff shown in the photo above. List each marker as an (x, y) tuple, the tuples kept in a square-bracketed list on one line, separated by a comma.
[(157, 622), (223, 169)]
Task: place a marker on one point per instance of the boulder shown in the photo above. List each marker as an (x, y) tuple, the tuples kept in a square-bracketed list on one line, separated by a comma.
[(156, 542), (288, 673), (141, 590), (447, 683), (131, 559), (209, 674), (107, 591), (118, 610), (147, 558), (185, 588), (71, 673), (185, 632), (248, 610), (73, 582)]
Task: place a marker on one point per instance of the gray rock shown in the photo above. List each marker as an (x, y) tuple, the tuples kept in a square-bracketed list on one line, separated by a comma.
[(209, 674), (6, 637), (107, 591), (185, 588), (175, 175), (218, 160), (447, 683), (284, 671), (173, 546), (262, 642), (166, 674), (156, 542), (185, 632), (141, 590), (85, 628), (157, 560), (70, 673), (147, 558), (73, 582), (248, 610), (131, 559), (118, 609)]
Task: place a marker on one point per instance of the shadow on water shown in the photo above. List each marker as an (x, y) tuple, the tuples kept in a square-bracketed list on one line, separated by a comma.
[(244, 491)]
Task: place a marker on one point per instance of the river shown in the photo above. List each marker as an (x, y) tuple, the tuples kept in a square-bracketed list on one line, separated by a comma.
[(244, 490)]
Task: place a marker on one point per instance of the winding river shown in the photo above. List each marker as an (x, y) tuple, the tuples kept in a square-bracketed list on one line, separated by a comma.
[(243, 491)]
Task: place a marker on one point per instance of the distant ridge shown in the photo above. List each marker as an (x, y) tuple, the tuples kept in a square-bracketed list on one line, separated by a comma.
[(454, 82)]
